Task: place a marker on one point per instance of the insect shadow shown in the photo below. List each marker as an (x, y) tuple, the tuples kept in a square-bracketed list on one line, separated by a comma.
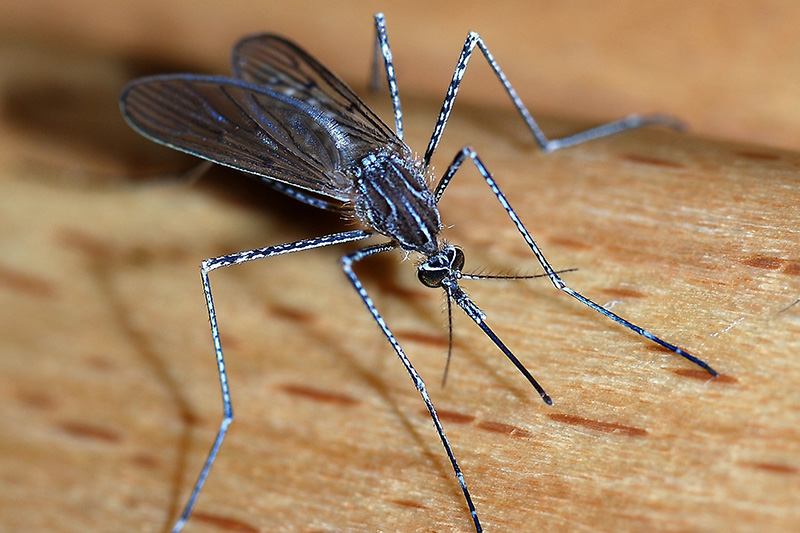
[(298, 128)]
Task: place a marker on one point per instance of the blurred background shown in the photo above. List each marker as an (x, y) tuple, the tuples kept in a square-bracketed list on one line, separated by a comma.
[(730, 69)]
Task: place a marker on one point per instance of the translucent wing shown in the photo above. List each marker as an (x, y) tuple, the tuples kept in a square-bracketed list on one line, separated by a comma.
[(244, 126), (281, 66)]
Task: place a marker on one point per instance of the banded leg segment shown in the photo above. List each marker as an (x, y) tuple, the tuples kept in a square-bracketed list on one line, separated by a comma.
[(474, 40), (347, 265), (468, 153), (227, 409), (548, 145), (382, 48)]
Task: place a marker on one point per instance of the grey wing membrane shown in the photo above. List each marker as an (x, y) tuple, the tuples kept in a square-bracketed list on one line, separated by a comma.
[(242, 126), (279, 65)]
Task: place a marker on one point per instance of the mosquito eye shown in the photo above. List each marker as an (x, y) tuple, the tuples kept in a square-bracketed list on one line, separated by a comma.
[(458, 259), (431, 277)]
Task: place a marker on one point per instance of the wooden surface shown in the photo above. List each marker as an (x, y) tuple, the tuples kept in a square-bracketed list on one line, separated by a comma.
[(108, 391)]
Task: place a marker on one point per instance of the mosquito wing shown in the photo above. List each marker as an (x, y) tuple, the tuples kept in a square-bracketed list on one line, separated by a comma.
[(244, 126), (281, 66)]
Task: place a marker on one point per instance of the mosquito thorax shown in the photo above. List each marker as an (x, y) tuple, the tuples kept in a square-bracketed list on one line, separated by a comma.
[(392, 197), (446, 263)]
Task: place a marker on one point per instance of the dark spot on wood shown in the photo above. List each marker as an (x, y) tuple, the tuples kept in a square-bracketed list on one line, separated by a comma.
[(89, 431), (149, 253), (36, 399), (767, 263), (791, 268), (319, 395), (19, 281), (222, 522), (421, 338), (702, 375), (623, 293), (504, 429), (230, 341), (191, 419), (86, 244), (453, 417), (774, 468), (408, 503), (98, 362), (566, 242), (758, 156), (596, 425), (140, 256), (653, 347), (291, 314), (655, 161), (146, 461)]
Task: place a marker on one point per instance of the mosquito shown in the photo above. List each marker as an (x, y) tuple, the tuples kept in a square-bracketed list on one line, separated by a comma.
[(293, 124)]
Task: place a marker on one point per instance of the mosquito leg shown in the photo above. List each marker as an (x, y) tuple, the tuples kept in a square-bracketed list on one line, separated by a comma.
[(382, 48), (548, 145), (347, 265), (468, 153), (227, 410)]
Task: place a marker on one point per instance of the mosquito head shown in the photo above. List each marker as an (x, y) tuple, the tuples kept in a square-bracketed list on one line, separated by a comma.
[(446, 264)]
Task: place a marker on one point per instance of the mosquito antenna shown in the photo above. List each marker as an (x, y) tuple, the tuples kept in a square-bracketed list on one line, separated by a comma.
[(512, 277), (449, 338), (789, 306)]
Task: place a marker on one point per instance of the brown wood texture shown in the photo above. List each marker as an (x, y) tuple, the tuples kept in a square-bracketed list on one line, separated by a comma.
[(108, 391)]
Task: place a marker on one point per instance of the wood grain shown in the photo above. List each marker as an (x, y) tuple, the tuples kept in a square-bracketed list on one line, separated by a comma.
[(109, 394)]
